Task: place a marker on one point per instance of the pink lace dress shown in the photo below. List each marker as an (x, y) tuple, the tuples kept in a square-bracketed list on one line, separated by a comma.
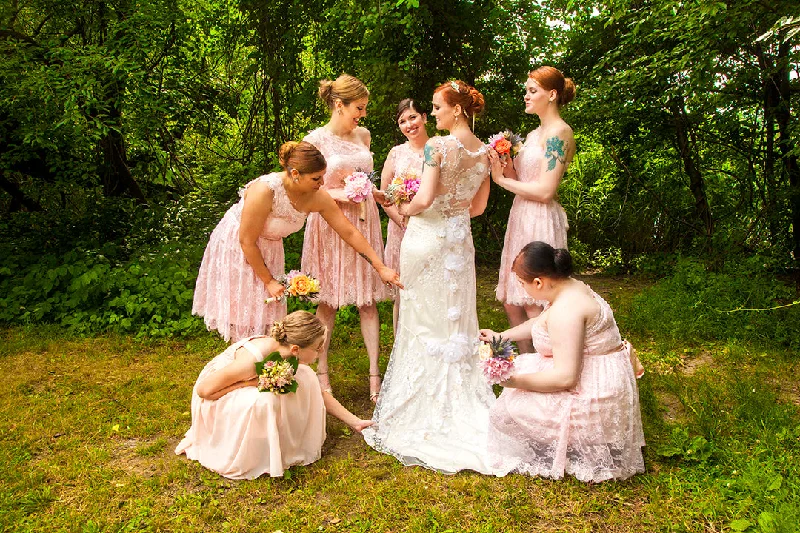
[(247, 433), (228, 295), (345, 278), (405, 160), (593, 432), (528, 221)]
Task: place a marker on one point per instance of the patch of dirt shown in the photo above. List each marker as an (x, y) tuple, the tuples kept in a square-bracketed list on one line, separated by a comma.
[(126, 456), (691, 366), (672, 407)]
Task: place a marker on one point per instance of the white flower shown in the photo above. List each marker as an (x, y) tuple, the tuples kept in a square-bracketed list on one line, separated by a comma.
[(454, 262), (457, 230), (453, 286), (454, 313)]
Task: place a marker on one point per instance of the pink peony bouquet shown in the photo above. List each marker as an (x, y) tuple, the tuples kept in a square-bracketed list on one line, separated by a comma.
[(358, 187), (298, 285), (497, 359), (506, 143), (403, 187), (276, 374)]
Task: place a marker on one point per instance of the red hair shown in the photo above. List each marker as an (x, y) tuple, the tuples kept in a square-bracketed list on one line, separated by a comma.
[(457, 92), (551, 79)]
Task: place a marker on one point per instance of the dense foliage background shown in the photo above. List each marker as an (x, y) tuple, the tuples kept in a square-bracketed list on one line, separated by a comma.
[(126, 129)]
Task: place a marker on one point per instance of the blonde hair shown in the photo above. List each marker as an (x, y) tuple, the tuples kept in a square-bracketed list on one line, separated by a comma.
[(552, 79), (301, 156), (468, 97), (346, 88), (301, 328)]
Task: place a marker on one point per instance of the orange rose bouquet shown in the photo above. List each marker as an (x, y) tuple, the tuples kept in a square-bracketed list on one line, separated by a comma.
[(298, 285), (506, 143)]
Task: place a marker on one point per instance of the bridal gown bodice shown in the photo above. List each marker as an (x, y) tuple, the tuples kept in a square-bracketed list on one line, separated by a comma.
[(434, 403)]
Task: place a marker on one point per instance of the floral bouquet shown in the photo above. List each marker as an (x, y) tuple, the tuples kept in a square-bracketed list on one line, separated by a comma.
[(506, 143), (298, 285), (358, 187), (276, 374), (403, 187), (497, 359)]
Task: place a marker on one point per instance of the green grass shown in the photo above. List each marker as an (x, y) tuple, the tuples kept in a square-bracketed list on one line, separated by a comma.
[(88, 427)]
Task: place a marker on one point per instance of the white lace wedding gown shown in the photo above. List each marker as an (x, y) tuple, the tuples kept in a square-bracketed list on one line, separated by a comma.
[(433, 409)]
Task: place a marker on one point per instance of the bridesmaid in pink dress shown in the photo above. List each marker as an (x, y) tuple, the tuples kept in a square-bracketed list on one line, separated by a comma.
[(534, 177), (345, 279), (242, 433), (245, 251), (403, 158), (573, 407)]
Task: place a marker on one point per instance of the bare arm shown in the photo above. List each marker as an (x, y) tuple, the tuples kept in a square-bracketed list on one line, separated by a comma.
[(326, 207), (522, 332), (257, 207), (567, 332), (235, 375), (559, 149), (387, 175), (336, 409), (429, 182), (479, 201)]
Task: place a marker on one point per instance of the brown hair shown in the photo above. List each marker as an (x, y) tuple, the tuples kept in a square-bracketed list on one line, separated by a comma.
[(301, 328), (406, 104), (538, 259), (301, 156), (551, 79), (457, 92), (345, 88)]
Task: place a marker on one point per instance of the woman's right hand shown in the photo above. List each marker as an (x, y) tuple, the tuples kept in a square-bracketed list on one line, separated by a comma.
[(497, 165), (390, 276), (275, 289), (486, 335), (362, 424)]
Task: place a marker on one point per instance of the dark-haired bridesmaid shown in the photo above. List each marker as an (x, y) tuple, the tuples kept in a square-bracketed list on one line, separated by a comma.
[(572, 407)]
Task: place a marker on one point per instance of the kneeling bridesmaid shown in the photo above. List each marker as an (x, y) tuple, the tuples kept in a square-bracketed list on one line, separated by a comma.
[(572, 407), (242, 433)]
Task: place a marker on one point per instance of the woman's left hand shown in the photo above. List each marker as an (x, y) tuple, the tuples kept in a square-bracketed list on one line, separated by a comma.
[(380, 197), (497, 164), (362, 424)]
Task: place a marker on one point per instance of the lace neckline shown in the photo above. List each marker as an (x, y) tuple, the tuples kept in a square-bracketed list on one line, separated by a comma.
[(479, 151), (342, 139), (279, 180)]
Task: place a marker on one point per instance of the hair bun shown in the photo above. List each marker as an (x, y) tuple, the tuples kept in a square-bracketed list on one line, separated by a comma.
[(568, 94), (278, 332), (285, 152), (325, 92), (476, 107), (562, 260)]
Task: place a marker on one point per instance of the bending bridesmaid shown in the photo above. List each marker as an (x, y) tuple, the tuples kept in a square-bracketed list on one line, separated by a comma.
[(533, 177), (345, 279), (245, 252), (402, 159), (242, 433), (573, 407)]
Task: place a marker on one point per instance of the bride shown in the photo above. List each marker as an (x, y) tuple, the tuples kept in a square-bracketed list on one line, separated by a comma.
[(434, 405)]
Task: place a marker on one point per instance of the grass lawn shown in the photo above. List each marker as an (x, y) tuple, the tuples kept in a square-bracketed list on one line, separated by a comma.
[(88, 427)]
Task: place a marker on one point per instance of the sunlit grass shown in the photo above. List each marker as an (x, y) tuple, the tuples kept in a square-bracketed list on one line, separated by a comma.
[(88, 428)]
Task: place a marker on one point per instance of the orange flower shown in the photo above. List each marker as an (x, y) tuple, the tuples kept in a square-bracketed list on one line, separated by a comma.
[(300, 285), (502, 146)]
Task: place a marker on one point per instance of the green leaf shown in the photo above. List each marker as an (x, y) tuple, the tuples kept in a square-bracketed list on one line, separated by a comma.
[(741, 524)]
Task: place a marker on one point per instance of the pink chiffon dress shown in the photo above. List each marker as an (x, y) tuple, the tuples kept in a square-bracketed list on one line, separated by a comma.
[(228, 294), (529, 221), (592, 432), (405, 160), (344, 277), (247, 433)]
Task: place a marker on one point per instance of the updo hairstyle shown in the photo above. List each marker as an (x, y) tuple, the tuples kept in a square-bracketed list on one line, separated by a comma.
[(301, 156), (406, 104), (457, 92), (346, 88), (551, 79), (539, 259), (301, 328)]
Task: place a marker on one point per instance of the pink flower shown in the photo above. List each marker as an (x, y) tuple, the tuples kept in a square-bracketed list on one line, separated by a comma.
[(357, 186), (497, 370)]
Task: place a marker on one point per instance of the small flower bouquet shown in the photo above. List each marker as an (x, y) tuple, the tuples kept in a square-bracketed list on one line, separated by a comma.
[(358, 187), (497, 360), (506, 143), (298, 285), (276, 374), (403, 187)]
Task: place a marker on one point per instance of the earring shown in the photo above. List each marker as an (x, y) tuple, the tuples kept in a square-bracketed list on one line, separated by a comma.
[(296, 180), (456, 117), (341, 112)]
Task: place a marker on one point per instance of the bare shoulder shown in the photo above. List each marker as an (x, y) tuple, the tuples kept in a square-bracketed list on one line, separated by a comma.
[(364, 135), (259, 191)]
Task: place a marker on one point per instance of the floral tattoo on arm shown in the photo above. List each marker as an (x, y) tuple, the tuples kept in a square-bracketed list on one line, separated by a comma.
[(429, 161), (555, 152)]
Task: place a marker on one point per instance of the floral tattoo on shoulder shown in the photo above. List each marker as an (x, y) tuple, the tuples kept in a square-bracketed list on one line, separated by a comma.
[(429, 160), (555, 152)]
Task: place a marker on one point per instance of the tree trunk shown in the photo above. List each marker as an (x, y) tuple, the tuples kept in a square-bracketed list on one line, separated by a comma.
[(691, 167)]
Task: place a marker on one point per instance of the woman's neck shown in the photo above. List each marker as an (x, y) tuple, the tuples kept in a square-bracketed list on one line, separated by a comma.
[(340, 127), (550, 117)]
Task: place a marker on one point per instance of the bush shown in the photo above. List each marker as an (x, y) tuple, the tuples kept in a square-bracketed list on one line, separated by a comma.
[(742, 301)]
